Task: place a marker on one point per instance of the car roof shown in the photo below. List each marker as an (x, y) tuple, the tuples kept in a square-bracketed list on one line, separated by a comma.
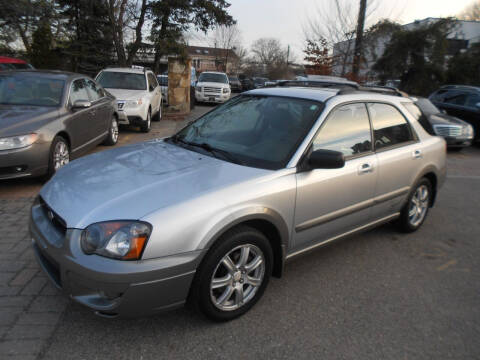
[(324, 94), (460, 87), (10, 60), (63, 75), (213, 72), (126, 70)]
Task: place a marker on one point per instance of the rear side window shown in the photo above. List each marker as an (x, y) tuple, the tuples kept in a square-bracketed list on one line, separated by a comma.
[(152, 80), (347, 129), (78, 91), (456, 98), (415, 111), (473, 100), (389, 126)]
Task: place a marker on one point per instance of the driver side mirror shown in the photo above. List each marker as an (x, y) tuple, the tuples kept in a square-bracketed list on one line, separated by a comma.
[(81, 104), (151, 87), (326, 159)]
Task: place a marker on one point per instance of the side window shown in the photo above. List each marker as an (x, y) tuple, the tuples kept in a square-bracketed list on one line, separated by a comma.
[(456, 98), (78, 91), (415, 111), (347, 129), (152, 80), (389, 126), (94, 91), (473, 100), (439, 95)]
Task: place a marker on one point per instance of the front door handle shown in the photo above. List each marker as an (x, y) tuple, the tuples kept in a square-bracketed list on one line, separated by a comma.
[(417, 154), (365, 169)]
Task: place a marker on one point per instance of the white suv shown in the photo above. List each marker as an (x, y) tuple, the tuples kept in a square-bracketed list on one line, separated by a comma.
[(139, 98), (212, 87)]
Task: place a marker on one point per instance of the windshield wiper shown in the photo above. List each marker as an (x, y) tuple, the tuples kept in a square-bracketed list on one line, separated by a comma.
[(207, 147)]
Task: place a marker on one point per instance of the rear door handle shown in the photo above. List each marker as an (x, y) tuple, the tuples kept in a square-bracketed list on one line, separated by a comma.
[(365, 169), (417, 154)]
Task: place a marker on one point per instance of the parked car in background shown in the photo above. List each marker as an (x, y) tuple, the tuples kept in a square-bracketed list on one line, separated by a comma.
[(139, 98), (163, 82), (247, 84), (457, 133), (460, 101), (212, 212), (212, 87), (48, 118), (235, 84), (8, 63), (259, 82)]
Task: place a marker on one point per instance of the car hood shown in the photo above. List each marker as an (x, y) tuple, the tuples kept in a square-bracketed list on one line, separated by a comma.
[(20, 119), (132, 181), (212, 84), (444, 119), (124, 94)]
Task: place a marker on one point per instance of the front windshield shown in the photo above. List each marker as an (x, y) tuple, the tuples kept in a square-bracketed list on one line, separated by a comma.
[(122, 80), (258, 131), (211, 77), (18, 89), (427, 106)]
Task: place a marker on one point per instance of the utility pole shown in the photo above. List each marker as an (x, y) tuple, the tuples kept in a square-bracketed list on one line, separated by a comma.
[(357, 55), (288, 53)]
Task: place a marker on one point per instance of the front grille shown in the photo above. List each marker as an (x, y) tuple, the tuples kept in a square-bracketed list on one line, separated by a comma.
[(213, 90), (56, 220), (448, 130)]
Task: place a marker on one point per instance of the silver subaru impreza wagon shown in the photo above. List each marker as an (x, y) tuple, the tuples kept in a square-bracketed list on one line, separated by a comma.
[(209, 214)]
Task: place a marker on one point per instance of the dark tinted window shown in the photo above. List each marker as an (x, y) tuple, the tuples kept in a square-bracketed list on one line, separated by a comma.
[(455, 98), (419, 113), (152, 80), (472, 100), (78, 91), (389, 126), (95, 91), (347, 129)]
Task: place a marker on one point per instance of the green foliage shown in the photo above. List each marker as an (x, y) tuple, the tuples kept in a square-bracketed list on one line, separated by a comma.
[(41, 52), (416, 57), (464, 68)]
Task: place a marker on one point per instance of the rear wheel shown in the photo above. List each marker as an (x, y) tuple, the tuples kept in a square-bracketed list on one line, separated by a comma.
[(59, 155), (146, 127), (416, 209), (233, 275), (158, 115)]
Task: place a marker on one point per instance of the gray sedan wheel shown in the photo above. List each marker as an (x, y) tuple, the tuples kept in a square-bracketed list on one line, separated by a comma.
[(233, 274), (112, 137), (59, 155)]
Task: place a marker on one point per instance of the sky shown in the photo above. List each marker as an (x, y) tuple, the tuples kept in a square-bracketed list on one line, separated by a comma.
[(285, 19)]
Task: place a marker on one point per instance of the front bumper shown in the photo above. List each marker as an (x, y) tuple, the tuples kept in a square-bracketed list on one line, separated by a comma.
[(211, 98), (110, 287), (458, 141), (29, 161), (131, 116)]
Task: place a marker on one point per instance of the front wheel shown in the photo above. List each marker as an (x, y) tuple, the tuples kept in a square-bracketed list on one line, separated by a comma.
[(416, 209), (233, 275), (59, 155)]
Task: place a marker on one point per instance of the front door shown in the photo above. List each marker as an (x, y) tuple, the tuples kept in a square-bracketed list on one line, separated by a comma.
[(331, 202), (78, 121)]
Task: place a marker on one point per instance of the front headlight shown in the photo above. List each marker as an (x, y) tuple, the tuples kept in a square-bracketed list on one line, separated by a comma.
[(226, 90), (17, 142), (134, 103), (198, 88), (468, 131), (124, 240)]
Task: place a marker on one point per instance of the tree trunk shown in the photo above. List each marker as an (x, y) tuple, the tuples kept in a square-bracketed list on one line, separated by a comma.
[(159, 50), (117, 26), (138, 34), (357, 55)]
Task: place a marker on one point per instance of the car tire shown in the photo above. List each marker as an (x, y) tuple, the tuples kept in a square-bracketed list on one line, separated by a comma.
[(112, 137), (158, 115), (222, 292), (415, 210), (148, 123), (59, 155)]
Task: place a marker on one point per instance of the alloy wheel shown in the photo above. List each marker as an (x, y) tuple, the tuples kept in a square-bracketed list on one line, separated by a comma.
[(237, 277), (61, 155), (114, 130), (418, 206)]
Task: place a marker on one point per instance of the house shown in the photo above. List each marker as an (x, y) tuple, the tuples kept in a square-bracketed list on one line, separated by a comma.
[(213, 59), (462, 36)]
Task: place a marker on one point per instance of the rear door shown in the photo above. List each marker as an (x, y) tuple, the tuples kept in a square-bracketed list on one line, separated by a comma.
[(77, 123), (331, 202), (100, 111), (155, 92), (399, 158)]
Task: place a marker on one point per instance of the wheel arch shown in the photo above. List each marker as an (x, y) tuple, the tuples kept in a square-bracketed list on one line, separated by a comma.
[(432, 174)]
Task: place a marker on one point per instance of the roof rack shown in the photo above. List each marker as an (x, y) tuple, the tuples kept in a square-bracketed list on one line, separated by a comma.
[(317, 84), (386, 90)]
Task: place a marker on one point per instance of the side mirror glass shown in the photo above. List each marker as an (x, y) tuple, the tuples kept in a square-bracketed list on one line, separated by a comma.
[(81, 104), (326, 159)]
